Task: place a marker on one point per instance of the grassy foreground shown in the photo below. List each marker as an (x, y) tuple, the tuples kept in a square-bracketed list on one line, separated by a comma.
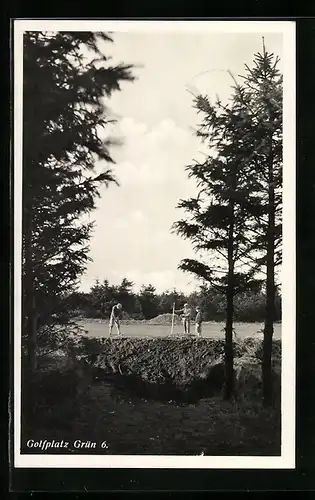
[(96, 401)]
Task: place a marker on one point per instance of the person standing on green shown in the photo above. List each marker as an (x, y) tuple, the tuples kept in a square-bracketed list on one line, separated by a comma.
[(198, 322), (115, 319), (186, 316)]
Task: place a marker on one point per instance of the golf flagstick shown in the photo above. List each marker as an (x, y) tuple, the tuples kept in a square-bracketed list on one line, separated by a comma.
[(173, 317)]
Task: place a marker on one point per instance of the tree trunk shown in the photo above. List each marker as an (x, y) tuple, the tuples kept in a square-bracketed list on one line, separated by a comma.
[(228, 348), (30, 307), (270, 294), (29, 313), (229, 368)]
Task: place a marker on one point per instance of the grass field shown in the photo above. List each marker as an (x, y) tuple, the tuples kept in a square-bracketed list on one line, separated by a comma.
[(210, 329)]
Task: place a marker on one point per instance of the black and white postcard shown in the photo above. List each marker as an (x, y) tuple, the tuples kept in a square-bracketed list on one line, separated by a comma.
[(154, 244)]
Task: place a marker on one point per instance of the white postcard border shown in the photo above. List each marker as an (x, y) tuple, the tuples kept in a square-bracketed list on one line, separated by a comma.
[(287, 458)]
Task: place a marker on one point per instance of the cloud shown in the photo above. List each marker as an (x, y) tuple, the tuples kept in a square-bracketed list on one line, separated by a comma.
[(161, 280), (154, 156), (132, 235), (138, 216), (130, 128), (132, 222)]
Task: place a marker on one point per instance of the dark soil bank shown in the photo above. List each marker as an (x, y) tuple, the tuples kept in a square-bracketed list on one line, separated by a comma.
[(156, 396), (181, 369)]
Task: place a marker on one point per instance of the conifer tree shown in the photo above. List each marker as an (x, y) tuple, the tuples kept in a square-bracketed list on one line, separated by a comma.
[(239, 206), (149, 301), (216, 220), (263, 88), (67, 81)]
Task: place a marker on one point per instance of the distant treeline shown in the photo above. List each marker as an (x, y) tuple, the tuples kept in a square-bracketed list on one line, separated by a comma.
[(147, 303)]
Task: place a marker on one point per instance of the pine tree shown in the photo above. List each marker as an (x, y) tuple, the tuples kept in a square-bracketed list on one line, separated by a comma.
[(263, 88), (217, 219), (251, 143), (101, 298), (125, 295), (67, 81), (170, 297), (149, 301), (212, 302)]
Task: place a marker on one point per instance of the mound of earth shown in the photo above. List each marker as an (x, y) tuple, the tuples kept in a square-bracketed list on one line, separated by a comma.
[(190, 365), (163, 319)]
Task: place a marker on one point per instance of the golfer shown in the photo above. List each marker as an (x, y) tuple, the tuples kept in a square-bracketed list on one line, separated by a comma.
[(115, 318), (186, 316), (198, 322)]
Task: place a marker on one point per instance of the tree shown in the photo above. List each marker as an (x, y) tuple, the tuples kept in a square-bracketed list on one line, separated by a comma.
[(217, 219), (66, 82), (102, 298), (239, 207), (149, 301), (126, 296), (250, 306), (263, 88), (212, 302), (170, 297)]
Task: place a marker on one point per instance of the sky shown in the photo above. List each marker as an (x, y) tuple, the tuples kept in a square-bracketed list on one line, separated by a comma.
[(156, 122)]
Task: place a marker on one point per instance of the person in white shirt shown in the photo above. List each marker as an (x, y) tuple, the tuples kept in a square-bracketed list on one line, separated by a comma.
[(186, 317), (115, 318), (198, 322)]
